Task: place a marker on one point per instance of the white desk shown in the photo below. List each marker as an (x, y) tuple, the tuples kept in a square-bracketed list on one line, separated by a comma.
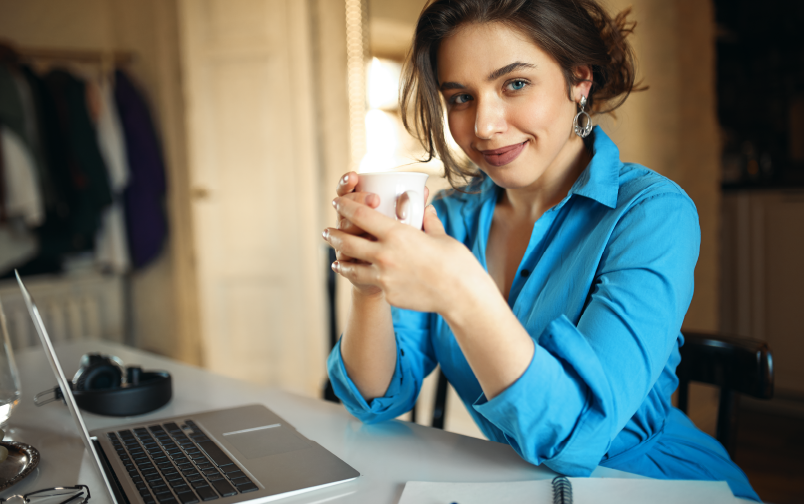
[(387, 455)]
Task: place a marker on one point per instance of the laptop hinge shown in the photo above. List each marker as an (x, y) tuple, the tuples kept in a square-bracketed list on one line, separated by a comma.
[(117, 489)]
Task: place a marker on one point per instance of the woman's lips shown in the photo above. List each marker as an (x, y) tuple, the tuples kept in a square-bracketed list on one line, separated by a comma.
[(503, 155)]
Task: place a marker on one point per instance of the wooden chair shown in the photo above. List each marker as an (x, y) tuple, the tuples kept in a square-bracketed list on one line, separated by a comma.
[(736, 365)]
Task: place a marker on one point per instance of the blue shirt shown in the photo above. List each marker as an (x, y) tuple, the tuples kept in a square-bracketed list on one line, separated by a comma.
[(602, 289)]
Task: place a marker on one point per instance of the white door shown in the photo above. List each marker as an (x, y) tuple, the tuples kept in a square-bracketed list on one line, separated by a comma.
[(252, 157)]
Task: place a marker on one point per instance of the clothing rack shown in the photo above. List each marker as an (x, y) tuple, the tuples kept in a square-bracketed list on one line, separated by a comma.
[(79, 55), (10, 51)]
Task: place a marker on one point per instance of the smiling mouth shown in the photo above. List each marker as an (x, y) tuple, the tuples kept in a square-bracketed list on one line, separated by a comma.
[(503, 155)]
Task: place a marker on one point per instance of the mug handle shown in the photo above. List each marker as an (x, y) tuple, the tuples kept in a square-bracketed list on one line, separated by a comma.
[(416, 209)]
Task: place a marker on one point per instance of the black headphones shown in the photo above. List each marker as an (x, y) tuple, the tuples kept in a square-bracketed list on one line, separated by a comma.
[(104, 386)]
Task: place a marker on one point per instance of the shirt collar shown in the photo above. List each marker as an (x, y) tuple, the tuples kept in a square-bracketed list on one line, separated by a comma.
[(600, 180)]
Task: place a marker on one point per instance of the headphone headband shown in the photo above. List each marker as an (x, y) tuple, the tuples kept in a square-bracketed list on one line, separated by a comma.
[(94, 365)]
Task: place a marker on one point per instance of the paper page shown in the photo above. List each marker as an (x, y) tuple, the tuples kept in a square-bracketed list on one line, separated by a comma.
[(584, 491)]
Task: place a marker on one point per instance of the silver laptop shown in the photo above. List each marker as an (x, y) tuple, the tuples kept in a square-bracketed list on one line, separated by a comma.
[(244, 454)]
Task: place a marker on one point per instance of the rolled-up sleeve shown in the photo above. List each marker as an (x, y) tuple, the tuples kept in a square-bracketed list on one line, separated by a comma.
[(587, 379), (415, 359)]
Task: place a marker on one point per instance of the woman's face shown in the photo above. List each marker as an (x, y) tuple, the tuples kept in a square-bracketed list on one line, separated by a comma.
[(507, 105)]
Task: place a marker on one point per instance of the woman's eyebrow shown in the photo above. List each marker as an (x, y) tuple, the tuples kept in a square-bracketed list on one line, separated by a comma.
[(492, 76), (508, 69), (451, 85)]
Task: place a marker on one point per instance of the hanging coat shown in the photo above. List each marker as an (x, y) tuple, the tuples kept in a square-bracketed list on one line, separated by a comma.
[(144, 197)]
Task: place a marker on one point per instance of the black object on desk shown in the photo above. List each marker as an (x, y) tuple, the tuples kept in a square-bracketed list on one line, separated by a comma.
[(104, 386)]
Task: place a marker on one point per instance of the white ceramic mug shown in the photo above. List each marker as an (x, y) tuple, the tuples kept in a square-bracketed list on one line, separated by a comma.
[(389, 186)]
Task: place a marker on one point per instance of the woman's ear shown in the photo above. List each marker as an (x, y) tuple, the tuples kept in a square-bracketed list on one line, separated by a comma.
[(583, 74)]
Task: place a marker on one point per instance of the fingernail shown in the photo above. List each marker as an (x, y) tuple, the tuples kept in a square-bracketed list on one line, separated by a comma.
[(371, 199), (345, 179), (431, 208), (335, 202), (336, 267), (404, 210), (325, 234)]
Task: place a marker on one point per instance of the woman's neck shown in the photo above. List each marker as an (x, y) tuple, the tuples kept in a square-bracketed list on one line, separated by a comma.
[(553, 186)]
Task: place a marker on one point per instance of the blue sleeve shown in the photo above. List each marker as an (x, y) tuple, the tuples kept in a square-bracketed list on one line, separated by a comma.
[(586, 380), (415, 359)]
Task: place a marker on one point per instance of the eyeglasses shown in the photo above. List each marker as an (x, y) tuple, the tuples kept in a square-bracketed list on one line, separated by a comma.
[(52, 496)]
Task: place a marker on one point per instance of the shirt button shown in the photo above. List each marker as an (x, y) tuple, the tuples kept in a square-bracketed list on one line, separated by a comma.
[(525, 273)]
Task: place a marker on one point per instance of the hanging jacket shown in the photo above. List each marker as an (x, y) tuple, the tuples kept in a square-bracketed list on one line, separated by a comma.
[(144, 197)]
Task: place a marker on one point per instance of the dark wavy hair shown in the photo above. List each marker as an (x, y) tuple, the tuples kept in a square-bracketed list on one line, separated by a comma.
[(573, 32)]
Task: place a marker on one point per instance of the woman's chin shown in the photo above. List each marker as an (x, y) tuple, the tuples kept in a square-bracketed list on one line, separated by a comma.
[(510, 178)]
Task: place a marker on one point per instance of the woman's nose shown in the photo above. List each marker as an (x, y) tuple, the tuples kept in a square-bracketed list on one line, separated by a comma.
[(490, 119)]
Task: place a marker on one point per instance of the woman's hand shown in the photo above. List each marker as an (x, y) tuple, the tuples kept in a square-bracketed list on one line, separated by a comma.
[(346, 189), (413, 270)]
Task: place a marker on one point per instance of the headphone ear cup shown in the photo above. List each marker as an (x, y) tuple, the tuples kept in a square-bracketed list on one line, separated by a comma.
[(98, 373)]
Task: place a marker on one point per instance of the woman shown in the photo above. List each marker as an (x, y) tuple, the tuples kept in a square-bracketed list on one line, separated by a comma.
[(552, 289)]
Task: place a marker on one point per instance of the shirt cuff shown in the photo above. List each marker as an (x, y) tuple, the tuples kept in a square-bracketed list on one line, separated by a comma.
[(379, 408)]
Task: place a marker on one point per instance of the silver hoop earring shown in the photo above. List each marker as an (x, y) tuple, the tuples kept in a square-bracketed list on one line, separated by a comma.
[(582, 131)]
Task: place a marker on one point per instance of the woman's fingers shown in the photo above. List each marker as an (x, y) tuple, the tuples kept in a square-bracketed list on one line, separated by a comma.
[(349, 247), (371, 200), (404, 202), (356, 272), (363, 216), (431, 224), (347, 183)]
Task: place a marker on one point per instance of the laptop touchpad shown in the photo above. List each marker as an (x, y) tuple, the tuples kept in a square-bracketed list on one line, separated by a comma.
[(265, 442)]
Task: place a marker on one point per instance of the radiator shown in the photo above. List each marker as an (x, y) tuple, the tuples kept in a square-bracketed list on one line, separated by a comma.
[(74, 307)]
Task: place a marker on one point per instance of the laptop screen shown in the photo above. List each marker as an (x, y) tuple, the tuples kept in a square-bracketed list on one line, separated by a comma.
[(61, 379)]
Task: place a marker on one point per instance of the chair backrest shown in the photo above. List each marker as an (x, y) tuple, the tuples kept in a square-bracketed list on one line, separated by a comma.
[(440, 402), (328, 392), (736, 365)]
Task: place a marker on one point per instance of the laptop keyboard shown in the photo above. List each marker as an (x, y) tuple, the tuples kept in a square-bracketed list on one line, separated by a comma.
[(169, 464)]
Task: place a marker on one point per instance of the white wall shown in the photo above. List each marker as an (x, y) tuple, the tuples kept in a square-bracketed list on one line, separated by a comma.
[(672, 127)]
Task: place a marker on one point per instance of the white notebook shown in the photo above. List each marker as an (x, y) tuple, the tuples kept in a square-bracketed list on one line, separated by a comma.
[(584, 491)]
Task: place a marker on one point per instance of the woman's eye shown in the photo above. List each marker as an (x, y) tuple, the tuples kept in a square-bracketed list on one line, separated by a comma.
[(460, 98), (517, 85)]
